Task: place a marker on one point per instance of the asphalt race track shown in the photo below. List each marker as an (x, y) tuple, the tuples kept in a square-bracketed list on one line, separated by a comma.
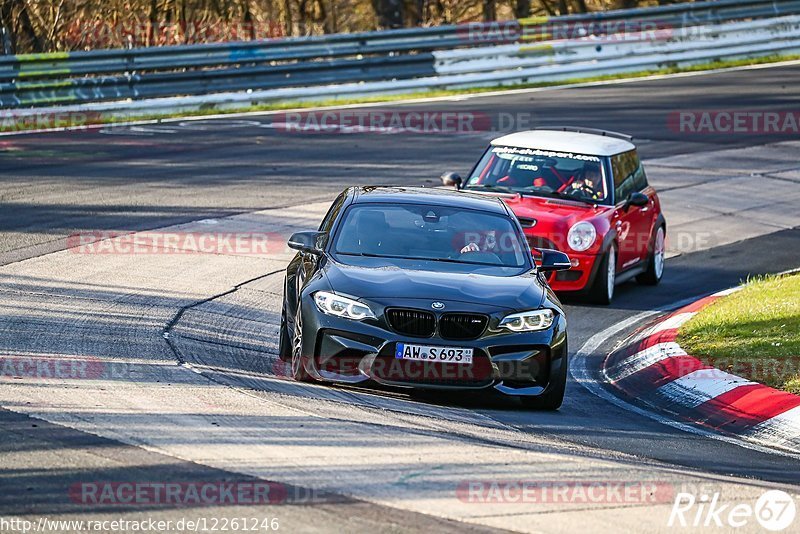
[(220, 318)]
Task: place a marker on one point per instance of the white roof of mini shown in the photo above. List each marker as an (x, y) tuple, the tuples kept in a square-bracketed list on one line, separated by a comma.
[(560, 141)]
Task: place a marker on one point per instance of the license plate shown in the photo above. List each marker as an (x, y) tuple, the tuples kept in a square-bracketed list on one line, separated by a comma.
[(433, 354)]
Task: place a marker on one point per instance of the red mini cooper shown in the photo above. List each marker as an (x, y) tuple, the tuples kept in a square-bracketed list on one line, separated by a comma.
[(583, 192)]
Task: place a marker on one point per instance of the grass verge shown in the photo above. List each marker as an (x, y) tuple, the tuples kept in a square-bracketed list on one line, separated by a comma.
[(122, 117), (753, 333)]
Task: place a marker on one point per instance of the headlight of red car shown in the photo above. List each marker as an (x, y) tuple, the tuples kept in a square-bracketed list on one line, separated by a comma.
[(581, 236)]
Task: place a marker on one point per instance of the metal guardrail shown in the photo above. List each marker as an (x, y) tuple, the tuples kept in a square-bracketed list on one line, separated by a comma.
[(553, 61), (482, 53)]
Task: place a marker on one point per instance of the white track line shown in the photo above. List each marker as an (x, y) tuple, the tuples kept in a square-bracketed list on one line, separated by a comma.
[(644, 359), (673, 323), (701, 386), (783, 428)]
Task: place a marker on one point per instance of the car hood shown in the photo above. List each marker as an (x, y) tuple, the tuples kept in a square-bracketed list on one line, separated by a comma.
[(388, 281), (552, 212)]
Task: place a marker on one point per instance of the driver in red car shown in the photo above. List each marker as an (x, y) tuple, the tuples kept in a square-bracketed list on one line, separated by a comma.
[(591, 184)]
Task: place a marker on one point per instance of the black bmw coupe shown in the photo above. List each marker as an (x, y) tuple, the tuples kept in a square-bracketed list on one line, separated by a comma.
[(424, 288)]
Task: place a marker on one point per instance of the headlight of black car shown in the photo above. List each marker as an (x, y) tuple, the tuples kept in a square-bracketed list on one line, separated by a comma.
[(333, 304), (529, 321)]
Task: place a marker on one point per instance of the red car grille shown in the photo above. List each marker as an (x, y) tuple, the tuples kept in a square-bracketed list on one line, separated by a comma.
[(535, 241)]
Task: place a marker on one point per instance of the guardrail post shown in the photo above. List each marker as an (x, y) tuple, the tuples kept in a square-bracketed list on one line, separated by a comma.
[(8, 49)]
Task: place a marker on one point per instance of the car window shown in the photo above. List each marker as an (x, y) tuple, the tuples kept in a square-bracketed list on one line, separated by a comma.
[(434, 233), (333, 212), (544, 173), (629, 175)]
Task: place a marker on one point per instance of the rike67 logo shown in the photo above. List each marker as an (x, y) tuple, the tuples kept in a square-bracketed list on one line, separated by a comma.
[(774, 510)]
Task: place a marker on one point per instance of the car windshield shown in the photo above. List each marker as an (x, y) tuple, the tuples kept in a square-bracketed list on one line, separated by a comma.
[(540, 173), (430, 233)]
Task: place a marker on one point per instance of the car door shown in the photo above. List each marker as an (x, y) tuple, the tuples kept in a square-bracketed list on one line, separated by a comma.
[(633, 224)]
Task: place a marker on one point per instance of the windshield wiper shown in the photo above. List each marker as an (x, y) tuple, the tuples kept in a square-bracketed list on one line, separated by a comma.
[(416, 258), (564, 196), (369, 255), (496, 188), (524, 193), (363, 254)]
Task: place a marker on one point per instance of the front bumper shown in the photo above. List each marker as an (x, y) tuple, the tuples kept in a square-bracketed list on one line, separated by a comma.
[(584, 265), (579, 278), (355, 352)]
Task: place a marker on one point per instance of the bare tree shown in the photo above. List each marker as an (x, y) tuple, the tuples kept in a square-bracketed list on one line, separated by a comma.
[(489, 10), (390, 13), (50, 25), (522, 9), (17, 19)]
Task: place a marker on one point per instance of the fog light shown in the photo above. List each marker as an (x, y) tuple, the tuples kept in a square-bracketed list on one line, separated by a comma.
[(575, 262)]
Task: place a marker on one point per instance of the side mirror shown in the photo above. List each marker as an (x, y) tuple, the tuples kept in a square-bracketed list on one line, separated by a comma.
[(310, 242), (553, 260), (452, 179), (637, 199)]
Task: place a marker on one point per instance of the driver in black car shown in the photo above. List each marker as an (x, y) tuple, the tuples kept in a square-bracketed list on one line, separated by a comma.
[(591, 182), (488, 243)]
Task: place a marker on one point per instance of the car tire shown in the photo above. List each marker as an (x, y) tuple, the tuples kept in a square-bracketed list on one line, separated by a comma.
[(655, 264), (552, 399), (284, 340), (298, 369), (602, 291)]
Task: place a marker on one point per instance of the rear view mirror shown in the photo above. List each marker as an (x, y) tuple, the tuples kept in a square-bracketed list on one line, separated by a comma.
[(310, 242), (553, 260), (452, 179), (638, 199)]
